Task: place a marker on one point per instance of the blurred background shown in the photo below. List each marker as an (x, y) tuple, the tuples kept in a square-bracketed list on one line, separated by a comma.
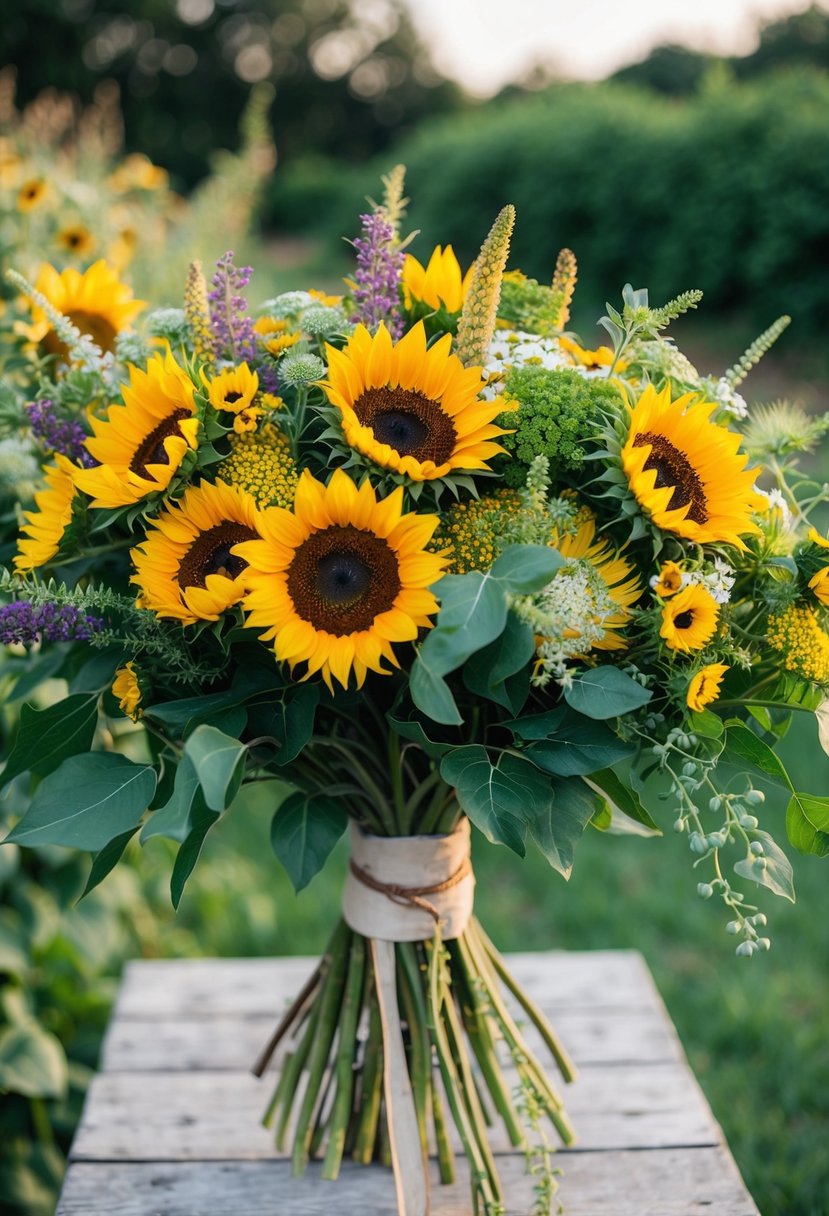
[(673, 146)]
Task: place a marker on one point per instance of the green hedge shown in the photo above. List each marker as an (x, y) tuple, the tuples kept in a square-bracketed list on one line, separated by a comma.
[(726, 190)]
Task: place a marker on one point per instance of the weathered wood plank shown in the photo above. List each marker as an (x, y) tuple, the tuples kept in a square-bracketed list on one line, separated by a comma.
[(673, 1182), (215, 1115), (590, 979), (642, 1036)]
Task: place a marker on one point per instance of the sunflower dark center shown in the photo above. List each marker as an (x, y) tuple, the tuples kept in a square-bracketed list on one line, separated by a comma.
[(342, 578), (211, 553), (232, 397), (684, 620), (151, 449), (409, 422), (674, 470), (102, 333)]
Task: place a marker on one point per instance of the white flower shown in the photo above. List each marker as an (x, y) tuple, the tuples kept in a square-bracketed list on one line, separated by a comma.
[(726, 397), (514, 348), (288, 304), (776, 502), (717, 581)]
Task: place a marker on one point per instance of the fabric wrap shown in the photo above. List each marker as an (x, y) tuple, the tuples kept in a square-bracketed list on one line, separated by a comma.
[(409, 867)]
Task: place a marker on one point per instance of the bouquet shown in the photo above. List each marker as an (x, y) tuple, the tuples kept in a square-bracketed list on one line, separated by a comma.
[(421, 560)]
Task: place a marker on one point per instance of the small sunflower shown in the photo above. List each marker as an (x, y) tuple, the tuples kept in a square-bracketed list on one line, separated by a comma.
[(232, 390), (439, 284), (186, 568), (282, 342), (622, 583), (668, 581), (267, 325), (76, 239), (705, 686), (127, 689), (688, 473), (45, 526), (689, 619), (31, 194), (97, 302), (410, 409), (819, 585), (142, 443), (341, 578), (590, 360)]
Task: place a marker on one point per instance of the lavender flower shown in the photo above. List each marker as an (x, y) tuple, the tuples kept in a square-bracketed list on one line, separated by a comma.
[(230, 321), (64, 435), (24, 623), (378, 274)]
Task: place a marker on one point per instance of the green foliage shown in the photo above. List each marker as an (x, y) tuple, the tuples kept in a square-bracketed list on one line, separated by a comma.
[(528, 305), (304, 830), (557, 414), (605, 692)]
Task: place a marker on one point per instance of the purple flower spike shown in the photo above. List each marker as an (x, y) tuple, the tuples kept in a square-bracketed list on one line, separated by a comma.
[(64, 435), (233, 333), (378, 274), (24, 623)]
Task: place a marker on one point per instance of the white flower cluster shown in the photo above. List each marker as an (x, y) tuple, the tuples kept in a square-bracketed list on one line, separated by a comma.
[(288, 304), (726, 397), (776, 502), (569, 615), (716, 577), (19, 469), (514, 348)]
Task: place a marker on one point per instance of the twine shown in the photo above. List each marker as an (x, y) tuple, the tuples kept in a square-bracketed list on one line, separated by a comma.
[(412, 897)]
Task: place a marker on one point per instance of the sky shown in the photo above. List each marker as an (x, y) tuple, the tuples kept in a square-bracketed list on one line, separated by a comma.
[(486, 43)]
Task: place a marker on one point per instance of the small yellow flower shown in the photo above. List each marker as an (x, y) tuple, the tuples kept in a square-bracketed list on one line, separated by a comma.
[(269, 325), (247, 420), (591, 360), (816, 539), (126, 688), (819, 585), (232, 390), (76, 239), (277, 346), (271, 402), (802, 642), (669, 581), (705, 686), (137, 172), (31, 194), (689, 619), (326, 300)]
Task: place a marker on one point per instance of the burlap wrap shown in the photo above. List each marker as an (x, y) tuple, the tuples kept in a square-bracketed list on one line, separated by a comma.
[(424, 878)]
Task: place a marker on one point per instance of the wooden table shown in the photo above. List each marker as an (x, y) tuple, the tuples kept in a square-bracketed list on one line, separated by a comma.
[(172, 1126)]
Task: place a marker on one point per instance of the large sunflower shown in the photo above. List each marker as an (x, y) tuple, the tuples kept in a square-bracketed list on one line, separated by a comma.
[(186, 567), (439, 284), (410, 409), (686, 472), (617, 572), (45, 526), (335, 582), (97, 302), (143, 442)]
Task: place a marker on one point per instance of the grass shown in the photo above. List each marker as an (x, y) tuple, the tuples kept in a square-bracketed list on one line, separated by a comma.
[(756, 1031)]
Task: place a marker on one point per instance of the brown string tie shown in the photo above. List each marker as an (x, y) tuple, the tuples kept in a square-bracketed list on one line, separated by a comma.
[(412, 897)]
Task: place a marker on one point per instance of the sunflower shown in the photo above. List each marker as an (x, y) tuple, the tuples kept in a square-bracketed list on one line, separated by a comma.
[(31, 194), (819, 585), (705, 686), (126, 688), (590, 360), (668, 581), (410, 409), (689, 619), (143, 442), (45, 527), (186, 567), (622, 584), (277, 346), (439, 284), (76, 239), (233, 389), (338, 580), (97, 302), (686, 472)]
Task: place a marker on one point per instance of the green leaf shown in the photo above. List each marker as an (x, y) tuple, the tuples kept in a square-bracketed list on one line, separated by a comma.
[(486, 672), (304, 831), (526, 568), (180, 716), (431, 694), (622, 798), (289, 720), (499, 799), (46, 737), (87, 802), (472, 605), (173, 820), (742, 747), (560, 825), (605, 692), (106, 861), (219, 762), (577, 749), (538, 726), (777, 874), (413, 730), (706, 724), (188, 854), (32, 1062), (807, 824)]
